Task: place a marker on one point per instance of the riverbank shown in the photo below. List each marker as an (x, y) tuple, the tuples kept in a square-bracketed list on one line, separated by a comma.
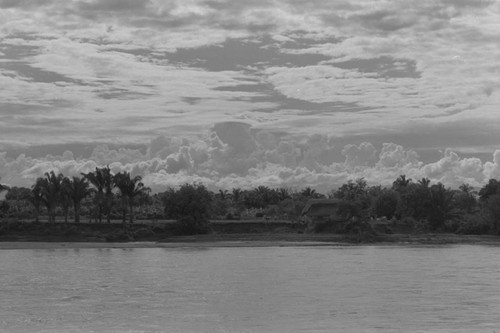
[(42, 235), (263, 240), (333, 239)]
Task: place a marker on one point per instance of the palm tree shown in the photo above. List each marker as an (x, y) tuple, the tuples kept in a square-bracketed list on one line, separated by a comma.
[(311, 193), (308, 193), (102, 180), (36, 197), (65, 198), (78, 189), (283, 193), (95, 178), (466, 199), (424, 182), (264, 196), (109, 184), (441, 206), (466, 188), (121, 182), (224, 195), (236, 196), (401, 182), (129, 188), (50, 192)]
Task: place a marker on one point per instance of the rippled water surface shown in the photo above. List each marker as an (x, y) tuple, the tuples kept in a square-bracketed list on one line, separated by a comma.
[(265, 289)]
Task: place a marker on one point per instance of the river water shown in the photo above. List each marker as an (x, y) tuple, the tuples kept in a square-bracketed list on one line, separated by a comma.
[(252, 289)]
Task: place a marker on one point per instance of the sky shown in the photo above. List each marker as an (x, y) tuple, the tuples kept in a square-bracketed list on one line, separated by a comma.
[(233, 93)]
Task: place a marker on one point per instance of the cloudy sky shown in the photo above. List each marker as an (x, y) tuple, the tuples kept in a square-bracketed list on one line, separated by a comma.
[(238, 93)]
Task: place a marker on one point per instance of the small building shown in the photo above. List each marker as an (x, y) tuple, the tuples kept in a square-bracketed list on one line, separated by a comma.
[(318, 210)]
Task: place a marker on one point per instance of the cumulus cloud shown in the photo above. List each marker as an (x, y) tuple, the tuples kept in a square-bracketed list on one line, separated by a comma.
[(360, 155), (451, 169), (492, 169), (395, 156), (270, 159)]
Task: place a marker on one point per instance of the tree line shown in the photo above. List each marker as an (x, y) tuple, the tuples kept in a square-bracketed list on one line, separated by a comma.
[(101, 194), (98, 189)]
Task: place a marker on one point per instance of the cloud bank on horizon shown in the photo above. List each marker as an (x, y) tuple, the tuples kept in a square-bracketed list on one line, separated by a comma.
[(284, 93), (233, 155)]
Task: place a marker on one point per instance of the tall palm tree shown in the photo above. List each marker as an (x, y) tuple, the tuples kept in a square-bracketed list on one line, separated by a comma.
[(223, 194), (424, 182), (78, 189), (122, 182), (129, 188), (109, 184), (50, 190), (466, 188), (263, 196), (441, 206), (401, 183), (236, 196), (35, 197), (65, 198), (311, 193), (95, 178), (102, 180), (283, 193)]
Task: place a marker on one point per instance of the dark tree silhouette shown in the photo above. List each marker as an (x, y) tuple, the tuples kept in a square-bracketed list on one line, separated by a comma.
[(130, 189), (78, 189), (49, 189), (102, 181), (190, 205)]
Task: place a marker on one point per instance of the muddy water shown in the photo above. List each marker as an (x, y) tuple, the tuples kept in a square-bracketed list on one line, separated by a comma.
[(245, 289)]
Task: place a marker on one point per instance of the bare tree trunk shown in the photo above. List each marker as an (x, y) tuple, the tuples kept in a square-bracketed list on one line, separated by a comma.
[(124, 211), (37, 214), (99, 212), (108, 201), (77, 212), (66, 213), (108, 215), (131, 205)]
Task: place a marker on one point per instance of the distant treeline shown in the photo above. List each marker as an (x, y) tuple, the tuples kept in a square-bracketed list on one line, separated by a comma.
[(101, 196)]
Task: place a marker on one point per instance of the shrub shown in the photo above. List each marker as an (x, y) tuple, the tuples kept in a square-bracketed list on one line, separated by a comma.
[(474, 225), (190, 205), (71, 231), (317, 226), (492, 208), (144, 232), (189, 225), (386, 204), (120, 235)]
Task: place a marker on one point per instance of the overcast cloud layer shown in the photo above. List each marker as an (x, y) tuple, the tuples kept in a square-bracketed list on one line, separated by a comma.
[(235, 93)]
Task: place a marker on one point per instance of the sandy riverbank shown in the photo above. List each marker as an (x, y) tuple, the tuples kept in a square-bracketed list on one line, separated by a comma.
[(268, 240)]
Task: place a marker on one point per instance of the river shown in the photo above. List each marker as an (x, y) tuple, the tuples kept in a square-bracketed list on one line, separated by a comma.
[(251, 289)]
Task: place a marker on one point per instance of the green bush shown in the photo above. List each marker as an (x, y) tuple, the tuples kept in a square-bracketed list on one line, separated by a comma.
[(71, 231), (144, 232), (188, 225), (120, 235), (474, 225), (190, 205)]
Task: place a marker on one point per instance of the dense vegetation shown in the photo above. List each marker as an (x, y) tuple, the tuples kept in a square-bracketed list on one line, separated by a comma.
[(101, 195)]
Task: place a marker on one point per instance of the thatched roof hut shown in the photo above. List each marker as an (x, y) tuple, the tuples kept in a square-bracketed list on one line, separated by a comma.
[(321, 209)]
